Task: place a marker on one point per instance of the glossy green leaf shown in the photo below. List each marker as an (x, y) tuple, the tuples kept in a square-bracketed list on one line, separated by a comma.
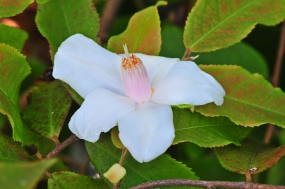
[(59, 19), (11, 151), (9, 34), (142, 34), (240, 54), (250, 100), (206, 131), (104, 154), (252, 156), (216, 24), (70, 180), (24, 175), (48, 107), (13, 7), (13, 69)]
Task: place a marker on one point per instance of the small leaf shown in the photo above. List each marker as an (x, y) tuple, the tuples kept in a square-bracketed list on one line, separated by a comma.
[(13, 7), (9, 34), (70, 180), (252, 156), (142, 34), (48, 107), (250, 100), (13, 69), (240, 54), (104, 154), (24, 175), (11, 151), (206, 131), (216, 24), (59, 19)]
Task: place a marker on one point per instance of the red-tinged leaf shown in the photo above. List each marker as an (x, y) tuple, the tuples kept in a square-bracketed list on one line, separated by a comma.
[(12, 7), (13, 69), (142, 34), (250, 100), (252, 156), (48, 106), (217, 24), (206, 131), (59, 19)]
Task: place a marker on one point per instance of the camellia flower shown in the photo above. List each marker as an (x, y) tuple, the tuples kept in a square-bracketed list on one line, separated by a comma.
[(133, 91)]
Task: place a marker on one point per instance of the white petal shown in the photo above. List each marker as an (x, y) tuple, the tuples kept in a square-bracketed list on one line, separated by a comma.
[(156, 66), (100, 111), (85, 65), (186, 83), (148, 131)]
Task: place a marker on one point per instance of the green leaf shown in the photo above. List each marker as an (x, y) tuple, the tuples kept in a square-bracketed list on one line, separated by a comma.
[(206, 131), (13, 7), (250, 100), (240, 54), (216, 24), (273, 174), (70, 180), (48, 107), (24, 175), (13, 69), (9, 34), (59, 19), (42, 1), (78, 99), (104, 154), (252, 156), (142, 34), (11, 151)]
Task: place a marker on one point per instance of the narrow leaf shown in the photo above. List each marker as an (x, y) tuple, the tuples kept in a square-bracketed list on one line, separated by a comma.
[(250, 100), (216, 24), (206, 131), (23, 175), (142, 34), (104, 154), (13, 7), (59, 19), (9, 34), (48, 107), (252, 156), (70, 180)]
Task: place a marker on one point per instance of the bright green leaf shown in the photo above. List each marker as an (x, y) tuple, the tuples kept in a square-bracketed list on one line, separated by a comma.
[(142, 34), (240, 54), (217, 24), (250, 100), (48, 106), (11, 151), (13, 69), (252, 156), (13, 7), (59, 19), (9, 34), (70, 180), (206, 131), (24, 175), (42, 1), (104, 154)]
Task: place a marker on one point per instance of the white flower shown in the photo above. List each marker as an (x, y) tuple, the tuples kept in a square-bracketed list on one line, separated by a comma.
[(132, 91)]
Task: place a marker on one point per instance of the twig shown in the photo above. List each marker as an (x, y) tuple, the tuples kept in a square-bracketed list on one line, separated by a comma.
[(107, 18), (276, 76), (62, 145), (186, 54), (205, 184), (123, 156)]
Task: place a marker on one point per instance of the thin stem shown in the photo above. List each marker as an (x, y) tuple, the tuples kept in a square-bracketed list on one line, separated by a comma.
[(123, 156), (205, 184), (186, 54), (61, 146), (276, 76), (248, 176)]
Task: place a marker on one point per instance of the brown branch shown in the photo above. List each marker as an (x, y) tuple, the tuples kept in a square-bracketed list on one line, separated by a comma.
[(205, 184), (107, 19), (186, 54), (276, 76), (61, 146)]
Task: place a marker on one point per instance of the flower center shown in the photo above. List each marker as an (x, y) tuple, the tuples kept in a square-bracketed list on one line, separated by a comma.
[(135, 78)]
